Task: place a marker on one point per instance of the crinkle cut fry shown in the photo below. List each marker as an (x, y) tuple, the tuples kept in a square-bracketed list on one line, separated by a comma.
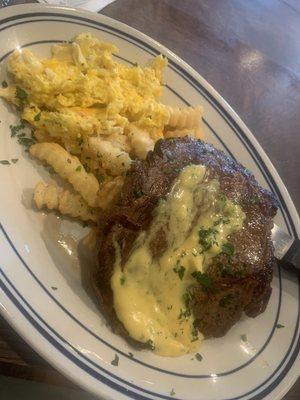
[(184, 121), (70, 168), (53, 198)]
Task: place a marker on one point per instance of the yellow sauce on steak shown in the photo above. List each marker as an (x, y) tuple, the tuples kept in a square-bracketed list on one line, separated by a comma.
[(151, 294)]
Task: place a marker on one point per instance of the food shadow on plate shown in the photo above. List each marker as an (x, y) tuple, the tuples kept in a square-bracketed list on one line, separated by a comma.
[(47, 173), (27, 198), (63, 240), (87, 259)]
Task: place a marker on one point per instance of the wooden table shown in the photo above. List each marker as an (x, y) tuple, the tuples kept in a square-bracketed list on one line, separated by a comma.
[(222, 39)]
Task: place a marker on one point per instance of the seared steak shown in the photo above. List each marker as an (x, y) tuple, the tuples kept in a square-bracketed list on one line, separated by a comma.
[(240, 283)]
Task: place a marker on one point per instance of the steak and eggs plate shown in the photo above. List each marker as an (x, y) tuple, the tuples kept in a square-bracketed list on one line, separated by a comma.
[(183, 231)]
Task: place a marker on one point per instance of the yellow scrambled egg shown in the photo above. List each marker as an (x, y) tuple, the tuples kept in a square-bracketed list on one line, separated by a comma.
[(83, 91)]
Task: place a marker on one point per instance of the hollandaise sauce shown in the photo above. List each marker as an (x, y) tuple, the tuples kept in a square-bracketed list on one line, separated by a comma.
[(152, 294)]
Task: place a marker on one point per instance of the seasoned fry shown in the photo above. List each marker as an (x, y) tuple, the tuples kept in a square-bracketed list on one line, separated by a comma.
[(69, 168), (67, 203), (193, 132), (109, 191), (111, 158), (42, 136), (141, 142), (184, 118), (46, 196)]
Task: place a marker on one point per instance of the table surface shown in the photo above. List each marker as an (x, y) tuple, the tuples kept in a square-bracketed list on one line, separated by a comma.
[(223, 40)]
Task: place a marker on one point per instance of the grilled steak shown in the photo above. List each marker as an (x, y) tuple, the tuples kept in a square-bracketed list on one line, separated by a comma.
[(240, 283)]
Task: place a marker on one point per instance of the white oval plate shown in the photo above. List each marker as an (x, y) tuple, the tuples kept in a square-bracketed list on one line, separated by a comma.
[(63, 325)]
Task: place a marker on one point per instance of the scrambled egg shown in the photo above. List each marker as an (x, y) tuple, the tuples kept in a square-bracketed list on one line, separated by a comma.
[(81, 91), (102, 111)]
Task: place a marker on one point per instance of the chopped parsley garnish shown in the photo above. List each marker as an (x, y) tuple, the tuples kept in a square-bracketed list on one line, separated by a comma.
[(150, 344), (137, 192), (198, 357), (4, 162), (80, 141), (101, 177), (14, 160), (179, 269), (131, 355), (115, 361), (223, 221), (207, 237), (202, 278), (4, 84), (225, 300), (37, 117), (21, 96), (194, 334), (244, 338), (26, 142), (228, 248), (172, 393), (53, 287), (279, 326), (122, 280), (184, 313), (78, 169), (188, 298), (176, 170), (225, 270), (16, 128)]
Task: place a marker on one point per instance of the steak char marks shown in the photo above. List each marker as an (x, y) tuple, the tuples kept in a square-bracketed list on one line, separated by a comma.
[(240, 283)]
